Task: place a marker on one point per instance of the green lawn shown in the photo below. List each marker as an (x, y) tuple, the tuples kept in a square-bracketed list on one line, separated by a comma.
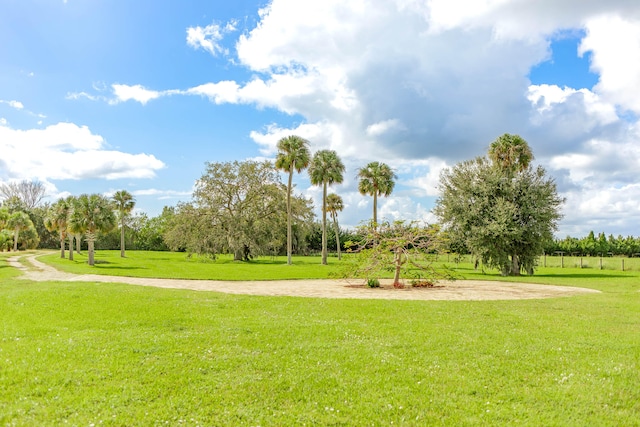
[(113, 354), (179, 265)]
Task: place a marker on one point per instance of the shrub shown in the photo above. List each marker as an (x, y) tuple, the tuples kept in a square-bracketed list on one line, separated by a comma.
[(422, 283), (373, 283)]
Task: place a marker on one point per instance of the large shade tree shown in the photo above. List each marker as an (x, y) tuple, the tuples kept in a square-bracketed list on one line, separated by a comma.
[(293, 156), (504, 214), (376, 179), (325, 169), (92, 214), (335, 205), (238, 208), (30, 193), (124, 204)]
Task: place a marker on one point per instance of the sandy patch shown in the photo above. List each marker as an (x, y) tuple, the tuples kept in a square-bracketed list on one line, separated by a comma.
[(462, 290)]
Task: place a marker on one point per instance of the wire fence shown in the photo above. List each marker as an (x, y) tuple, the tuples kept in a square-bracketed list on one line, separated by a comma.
[(561, 261)]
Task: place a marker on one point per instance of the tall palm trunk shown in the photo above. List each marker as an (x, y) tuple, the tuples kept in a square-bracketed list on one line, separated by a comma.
[(61, 244), (324, 223), (289, 238), (122, 237), (70, 247), (334, 216), (90, 243), (375, 209), (16, 234)]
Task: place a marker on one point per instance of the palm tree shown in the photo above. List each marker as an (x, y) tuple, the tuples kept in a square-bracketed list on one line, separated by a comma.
[(4, 216), (124, 202), (72, 231), (293, 155), (335, 205), (326, 168), (56, 220), (91, 215), (18, 221), (376, 179), (510, 153)]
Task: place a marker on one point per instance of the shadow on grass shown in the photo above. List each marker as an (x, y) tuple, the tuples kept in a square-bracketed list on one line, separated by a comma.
[(253, 262), (120, 267)]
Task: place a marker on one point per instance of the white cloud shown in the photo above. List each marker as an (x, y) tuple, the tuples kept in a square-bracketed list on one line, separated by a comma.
[(68, 151), (220, 93), (424, 84), (13, 104), (209, 37), (162, 194), (614, 42), (137, 93), (382, 127), (545, 97)]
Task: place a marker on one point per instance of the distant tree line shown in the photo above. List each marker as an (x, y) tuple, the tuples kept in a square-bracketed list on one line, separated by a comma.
[(602, 245)]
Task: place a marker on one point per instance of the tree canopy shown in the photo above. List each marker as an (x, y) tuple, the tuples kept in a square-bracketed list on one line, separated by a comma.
[(502, 213), (91, 216), (239, 208), (18, 222), (376, 179), (30, 193)]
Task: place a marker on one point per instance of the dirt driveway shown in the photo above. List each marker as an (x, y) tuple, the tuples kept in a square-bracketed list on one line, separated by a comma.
[(467, 290)]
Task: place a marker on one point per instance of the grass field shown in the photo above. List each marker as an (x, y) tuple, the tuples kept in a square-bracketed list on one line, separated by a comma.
[(111, 354), (173, 265)]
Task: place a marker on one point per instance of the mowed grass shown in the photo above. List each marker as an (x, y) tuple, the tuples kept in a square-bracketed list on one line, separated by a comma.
[(173, 265), (112, 354)]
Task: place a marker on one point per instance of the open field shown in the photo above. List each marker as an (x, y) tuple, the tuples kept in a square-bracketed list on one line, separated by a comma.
[(115, 354), (178, 265)]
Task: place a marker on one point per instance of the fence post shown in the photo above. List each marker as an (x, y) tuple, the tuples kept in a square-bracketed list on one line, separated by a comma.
[(561, 260), (622, 264), (600, 262)]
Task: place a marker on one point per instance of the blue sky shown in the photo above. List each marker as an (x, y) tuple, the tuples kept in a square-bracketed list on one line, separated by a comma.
[(102, 95)]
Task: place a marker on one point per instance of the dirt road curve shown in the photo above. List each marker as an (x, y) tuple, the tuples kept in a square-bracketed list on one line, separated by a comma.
[(469, 290)]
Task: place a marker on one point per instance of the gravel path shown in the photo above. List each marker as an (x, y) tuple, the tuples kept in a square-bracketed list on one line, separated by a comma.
[(469, 290)]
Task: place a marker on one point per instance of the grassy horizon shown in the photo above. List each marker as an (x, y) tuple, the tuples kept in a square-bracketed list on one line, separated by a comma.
[(113, 354)]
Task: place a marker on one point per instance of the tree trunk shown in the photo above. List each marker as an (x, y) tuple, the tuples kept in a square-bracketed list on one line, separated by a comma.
[(70, 247), (91, 251), (15, 239), (61, 244), (324, 223), (238, 255), (122, 237), (337, 231), (398, 263), (515, 266), (289, 245), (375, 210)]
